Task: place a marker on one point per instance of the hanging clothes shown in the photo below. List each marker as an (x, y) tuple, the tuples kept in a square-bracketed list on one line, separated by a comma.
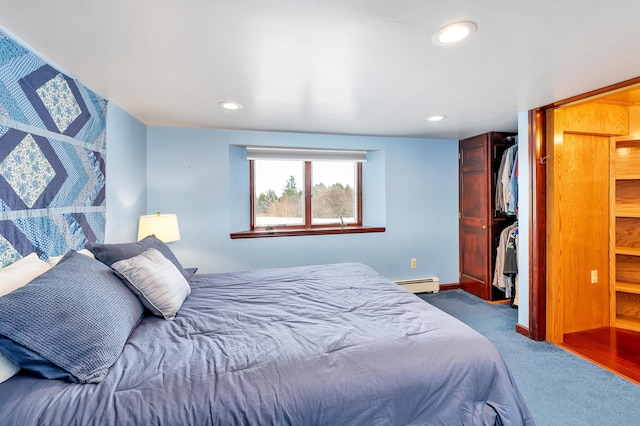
[(506, 198), (510, 255), (499, 197), (506, 266), (505, 275), (510, 269), (512, 204)]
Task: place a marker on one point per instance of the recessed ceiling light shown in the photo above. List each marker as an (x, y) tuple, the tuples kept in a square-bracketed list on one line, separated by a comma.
[(436, 118), (454, 33), (230, 105)]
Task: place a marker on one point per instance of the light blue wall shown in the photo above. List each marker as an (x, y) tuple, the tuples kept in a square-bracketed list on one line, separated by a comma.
[(412, 189), (524, 205), (126, 174)]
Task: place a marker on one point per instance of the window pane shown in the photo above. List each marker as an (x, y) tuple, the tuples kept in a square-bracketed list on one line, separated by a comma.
[(279, 192), (333, 192)]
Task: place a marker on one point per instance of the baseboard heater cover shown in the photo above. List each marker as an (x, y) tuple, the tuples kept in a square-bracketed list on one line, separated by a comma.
[(421, 285)]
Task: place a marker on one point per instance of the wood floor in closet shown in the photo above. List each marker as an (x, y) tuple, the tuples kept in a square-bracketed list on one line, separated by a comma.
[(614, 349)]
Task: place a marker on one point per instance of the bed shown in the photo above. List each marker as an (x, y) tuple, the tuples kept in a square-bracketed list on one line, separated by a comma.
[(314, 345)]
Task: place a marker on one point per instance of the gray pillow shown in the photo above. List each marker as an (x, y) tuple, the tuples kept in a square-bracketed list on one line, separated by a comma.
[(76, 316), (156, 281), (111, 253)]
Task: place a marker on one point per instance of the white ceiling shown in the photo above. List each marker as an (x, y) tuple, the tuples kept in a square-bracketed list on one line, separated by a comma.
[(365, 67)]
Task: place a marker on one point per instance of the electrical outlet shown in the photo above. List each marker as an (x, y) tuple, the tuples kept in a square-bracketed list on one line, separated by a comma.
[(413, 263), (594, 276)]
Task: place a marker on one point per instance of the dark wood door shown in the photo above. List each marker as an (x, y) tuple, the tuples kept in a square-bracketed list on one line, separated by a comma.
[(475, 248)]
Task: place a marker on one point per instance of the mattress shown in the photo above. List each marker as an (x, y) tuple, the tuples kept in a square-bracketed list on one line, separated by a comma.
[(315, 345)]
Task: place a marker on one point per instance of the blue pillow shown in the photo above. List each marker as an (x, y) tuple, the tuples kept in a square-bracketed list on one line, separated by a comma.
[(111, 253), (31, 361), (76, 316)]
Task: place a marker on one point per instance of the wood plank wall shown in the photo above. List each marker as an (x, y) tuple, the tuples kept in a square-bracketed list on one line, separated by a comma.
[(578, 214)]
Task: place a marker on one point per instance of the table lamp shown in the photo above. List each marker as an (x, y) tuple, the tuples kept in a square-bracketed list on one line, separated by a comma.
[(164, 226)]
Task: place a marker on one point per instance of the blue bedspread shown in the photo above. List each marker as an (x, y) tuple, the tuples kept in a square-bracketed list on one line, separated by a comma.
[(315, 345)]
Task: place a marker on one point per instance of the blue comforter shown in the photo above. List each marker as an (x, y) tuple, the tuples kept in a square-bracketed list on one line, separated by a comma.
[(315, 345)]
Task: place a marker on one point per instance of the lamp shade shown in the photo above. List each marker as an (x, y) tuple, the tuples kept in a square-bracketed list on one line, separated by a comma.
[(164, 226)]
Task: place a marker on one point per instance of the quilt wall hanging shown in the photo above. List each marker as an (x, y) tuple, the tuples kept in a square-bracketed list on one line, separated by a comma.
[(52, 158)]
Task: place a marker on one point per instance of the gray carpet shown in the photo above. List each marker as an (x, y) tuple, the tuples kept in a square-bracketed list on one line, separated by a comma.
[(559, 387)]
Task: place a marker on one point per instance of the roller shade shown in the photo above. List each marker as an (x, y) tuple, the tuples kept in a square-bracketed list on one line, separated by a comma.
[(304, 154)]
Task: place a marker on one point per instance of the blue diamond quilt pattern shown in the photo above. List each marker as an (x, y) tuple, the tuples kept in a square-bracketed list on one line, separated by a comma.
[(52, 158)]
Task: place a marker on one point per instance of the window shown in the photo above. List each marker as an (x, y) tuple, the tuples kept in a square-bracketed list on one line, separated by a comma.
[(335, 194), (278, 193), (305, 192)]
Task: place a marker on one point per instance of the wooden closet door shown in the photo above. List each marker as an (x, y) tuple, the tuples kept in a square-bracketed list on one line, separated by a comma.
[(475, 247)]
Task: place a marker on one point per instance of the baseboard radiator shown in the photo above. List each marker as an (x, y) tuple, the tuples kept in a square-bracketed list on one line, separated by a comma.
[(421, 285)]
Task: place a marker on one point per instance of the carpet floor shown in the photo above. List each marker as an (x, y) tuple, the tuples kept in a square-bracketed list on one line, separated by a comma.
[(559, 387)]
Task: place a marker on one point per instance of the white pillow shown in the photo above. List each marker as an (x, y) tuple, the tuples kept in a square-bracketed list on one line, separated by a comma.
[(21, 272), (8, 368), (53, 260), (156, 281)]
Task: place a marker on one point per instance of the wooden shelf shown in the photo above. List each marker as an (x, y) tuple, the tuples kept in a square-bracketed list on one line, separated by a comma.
[(628, 287), (627, 198), (631, 251), (627, 162), (628, 176), (627, 322), (626, 210), (626, 231), (627, 213), (632, 139)]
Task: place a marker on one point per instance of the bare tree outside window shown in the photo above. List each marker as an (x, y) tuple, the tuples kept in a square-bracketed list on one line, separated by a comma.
[(333, 197)]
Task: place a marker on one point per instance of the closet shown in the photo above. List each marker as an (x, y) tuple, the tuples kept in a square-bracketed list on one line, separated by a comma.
[(625, 225), (593, 214), (483, 211)]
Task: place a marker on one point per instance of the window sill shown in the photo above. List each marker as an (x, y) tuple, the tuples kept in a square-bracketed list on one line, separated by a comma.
[(301, 232)]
